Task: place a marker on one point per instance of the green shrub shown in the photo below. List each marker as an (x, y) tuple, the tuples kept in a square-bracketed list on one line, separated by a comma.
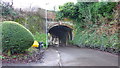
[(15, 37), (92, 39), (40, 37)]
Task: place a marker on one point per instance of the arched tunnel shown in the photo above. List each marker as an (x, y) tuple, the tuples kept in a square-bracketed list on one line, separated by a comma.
[(61, 34)]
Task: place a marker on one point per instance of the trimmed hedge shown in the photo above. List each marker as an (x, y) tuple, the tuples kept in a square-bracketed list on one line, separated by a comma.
[(15, 37)]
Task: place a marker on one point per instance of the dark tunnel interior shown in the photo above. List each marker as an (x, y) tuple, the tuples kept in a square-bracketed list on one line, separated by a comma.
[(63, 33)]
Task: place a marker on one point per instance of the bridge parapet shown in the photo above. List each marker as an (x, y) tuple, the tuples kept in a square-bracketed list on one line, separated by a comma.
[(52, 24)]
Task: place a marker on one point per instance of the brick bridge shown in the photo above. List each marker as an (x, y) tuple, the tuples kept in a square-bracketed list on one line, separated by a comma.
[(59, 32)]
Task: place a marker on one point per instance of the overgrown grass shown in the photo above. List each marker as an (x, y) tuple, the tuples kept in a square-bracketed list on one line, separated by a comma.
[(92, 39)]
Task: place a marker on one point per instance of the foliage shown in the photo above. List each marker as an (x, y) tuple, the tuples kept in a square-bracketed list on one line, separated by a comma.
[(15, 37), (85, 12), (88, 18), (8, 11), (102, 9), (29, 19), (68, 10), (32, 21), (93, 39), (40, 37)]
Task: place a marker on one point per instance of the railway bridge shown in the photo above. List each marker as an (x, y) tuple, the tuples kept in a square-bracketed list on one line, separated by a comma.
[(60, 32)]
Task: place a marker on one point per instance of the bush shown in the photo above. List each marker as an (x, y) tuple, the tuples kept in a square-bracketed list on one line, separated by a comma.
[(93, 39), (15, 37), (40, 37)]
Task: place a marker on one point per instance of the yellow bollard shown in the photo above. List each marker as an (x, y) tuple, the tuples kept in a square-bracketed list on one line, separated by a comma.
[(35, 44)]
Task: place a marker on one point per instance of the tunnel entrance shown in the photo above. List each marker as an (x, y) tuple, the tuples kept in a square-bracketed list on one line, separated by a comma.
[(60, 35)]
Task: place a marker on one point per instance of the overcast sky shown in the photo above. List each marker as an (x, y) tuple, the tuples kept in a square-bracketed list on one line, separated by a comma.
[(39, 3)]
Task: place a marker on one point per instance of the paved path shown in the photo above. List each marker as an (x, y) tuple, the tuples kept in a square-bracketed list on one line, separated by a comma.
[(73, 56)]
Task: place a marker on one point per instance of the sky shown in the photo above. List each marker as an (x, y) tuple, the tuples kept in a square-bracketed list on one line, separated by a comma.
[(46, 4)]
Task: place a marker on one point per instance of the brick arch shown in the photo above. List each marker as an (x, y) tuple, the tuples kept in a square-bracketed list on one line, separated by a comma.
[(57, 24), (61, 31)]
